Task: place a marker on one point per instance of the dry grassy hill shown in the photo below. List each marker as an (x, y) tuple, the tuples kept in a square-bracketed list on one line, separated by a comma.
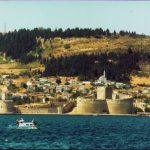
[(140, 80), (17, 68), (73, 46)]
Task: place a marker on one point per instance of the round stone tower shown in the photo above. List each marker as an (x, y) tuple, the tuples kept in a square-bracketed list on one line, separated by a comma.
[(91, 106), (6, 106), (121, 104)]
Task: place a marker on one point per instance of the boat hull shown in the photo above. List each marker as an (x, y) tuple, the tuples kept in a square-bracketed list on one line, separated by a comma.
[(22, 127)]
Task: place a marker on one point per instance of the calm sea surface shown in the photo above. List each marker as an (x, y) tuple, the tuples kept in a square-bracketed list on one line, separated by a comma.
[(77, 132)]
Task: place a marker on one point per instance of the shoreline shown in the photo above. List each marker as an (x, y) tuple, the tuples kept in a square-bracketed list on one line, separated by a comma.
[(52, 114)]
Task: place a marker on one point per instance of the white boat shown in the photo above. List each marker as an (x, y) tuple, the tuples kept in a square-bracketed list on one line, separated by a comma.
[(21, 124), (95, 114)]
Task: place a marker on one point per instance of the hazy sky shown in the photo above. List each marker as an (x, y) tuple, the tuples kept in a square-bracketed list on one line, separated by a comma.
[(114, 15)]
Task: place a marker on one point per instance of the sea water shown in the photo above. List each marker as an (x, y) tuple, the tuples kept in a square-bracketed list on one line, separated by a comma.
[(77, 132)]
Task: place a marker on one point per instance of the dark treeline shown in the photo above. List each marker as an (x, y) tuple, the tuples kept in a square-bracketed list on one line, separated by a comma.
[(118, 66), (18, 43)]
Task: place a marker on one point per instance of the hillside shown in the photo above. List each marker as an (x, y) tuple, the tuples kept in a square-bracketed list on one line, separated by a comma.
[(17, 68), (135, 80), (88, 52), (75, 46), (29, 45)]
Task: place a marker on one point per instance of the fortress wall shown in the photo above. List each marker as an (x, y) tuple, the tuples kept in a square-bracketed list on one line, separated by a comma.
[(37, 110), (116, 96), (124, 96), (88, 106), (124, 106), (6, 107)]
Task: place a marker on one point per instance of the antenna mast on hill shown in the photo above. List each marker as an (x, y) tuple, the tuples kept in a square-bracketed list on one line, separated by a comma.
[(4, 28)]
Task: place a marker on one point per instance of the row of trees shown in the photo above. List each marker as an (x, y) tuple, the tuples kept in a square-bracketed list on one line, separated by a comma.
[(118, 66), (18, 43)]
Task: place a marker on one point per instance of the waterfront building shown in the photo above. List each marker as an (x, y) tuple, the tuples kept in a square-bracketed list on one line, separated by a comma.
[(6, 104)]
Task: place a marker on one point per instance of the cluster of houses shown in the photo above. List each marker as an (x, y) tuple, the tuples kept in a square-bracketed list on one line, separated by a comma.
[(43, 89), (47, 89), (50, 88)]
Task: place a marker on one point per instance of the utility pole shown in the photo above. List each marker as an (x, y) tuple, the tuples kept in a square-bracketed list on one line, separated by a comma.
[(5, 28)]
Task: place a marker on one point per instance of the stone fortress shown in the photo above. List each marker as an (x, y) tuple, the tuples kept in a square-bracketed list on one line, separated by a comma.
[(108, 101)]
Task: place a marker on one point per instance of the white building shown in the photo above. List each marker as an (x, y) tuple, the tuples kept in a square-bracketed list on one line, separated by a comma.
[(102, 79), (29, 83), (59, 88)]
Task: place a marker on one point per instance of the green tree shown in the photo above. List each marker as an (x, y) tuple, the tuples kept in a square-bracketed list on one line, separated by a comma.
[(67, 46), (23, 85), (58, 81)]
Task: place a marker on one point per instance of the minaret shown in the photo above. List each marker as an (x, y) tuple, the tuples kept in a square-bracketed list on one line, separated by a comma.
[(104, 74), (4, 28), (4, 32)]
